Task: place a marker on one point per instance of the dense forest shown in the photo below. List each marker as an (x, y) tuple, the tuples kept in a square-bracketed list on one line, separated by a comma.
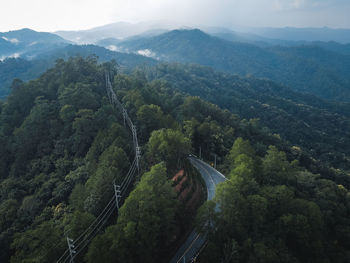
[(272, 210), (317, 126), (318, 68), (308, 68), (24, 69), (63, 145)]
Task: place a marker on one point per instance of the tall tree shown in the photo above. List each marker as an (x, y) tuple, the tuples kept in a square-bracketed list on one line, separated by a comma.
[(145, 225)]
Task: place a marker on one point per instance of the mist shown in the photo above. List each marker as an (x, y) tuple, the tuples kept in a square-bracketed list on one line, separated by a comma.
[(68, 15)]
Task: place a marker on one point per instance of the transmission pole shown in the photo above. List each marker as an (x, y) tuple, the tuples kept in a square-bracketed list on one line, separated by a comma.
[(71, 249), (117, 194), (137, 148), (124, 115), (138, 156)]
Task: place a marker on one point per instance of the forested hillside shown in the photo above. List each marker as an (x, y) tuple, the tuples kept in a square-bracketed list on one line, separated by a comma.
[(273, 211), (64, 145), (307, 68), (27, 43), (30, 69), (320, 127)]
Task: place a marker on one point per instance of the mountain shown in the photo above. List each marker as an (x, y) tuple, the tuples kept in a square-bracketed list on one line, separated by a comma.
[(266, 42), (119, 30), (320, 127), (27, 43), (123, 30), (109, 43), (324, 34), (18, 68), (320, 68), (238, 36), (309, 69), (125, 60), (65, 148), (12, 68), (250, 38), (334, 46)]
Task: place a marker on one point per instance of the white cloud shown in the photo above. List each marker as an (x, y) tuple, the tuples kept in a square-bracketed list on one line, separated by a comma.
[(14, 55), (12, 40), (113, 48), (147, 53)]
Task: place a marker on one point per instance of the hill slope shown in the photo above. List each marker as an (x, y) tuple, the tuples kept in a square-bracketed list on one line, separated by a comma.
[(63, 146), (320, 127), (28, 43), (306, 68), (304, 34), (29, 69)]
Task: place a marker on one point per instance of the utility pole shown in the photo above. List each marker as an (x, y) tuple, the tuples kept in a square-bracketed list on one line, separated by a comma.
[(200, 152), (138, 156), (71, 249), (124, 115), (137, 148), (134, 135), (117, 194)]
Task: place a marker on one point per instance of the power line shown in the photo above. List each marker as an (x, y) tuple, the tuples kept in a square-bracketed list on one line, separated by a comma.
[(89, 237), (71, 248), (119, 190), (117, 194), (97, 218), (85, 234)]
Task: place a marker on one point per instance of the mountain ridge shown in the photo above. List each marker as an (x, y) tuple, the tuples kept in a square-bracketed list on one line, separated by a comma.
[(303, 68), (27, 43)]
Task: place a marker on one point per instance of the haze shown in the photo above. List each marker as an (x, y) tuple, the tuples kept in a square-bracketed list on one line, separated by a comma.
[(55, 15)]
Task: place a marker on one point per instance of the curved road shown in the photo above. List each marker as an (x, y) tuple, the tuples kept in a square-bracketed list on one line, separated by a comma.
[(194, 242)]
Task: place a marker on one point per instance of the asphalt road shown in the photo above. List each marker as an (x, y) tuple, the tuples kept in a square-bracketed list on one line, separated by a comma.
[(194, 242)]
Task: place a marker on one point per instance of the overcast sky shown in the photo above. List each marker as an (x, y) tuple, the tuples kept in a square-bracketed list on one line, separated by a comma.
[(52, 15)]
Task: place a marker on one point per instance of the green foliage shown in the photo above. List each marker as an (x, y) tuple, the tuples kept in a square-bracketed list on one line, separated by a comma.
[(319, 127), (276, 168), (168, 145), (273, 213), (8, 210), (80, 95), (63, 145), (152, 118), (36, 245), (240, 154), (46, 127), (145, 225), (325, 72), (112, 165)]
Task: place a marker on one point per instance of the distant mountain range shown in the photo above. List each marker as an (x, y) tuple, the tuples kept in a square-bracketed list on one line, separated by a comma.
[(23, 69), (320, 68), (312, 68), (119, 30), (303, 34), (27, 43), (123, 30)]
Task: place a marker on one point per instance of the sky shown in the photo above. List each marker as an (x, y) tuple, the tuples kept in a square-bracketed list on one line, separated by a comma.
[(53, 15)]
